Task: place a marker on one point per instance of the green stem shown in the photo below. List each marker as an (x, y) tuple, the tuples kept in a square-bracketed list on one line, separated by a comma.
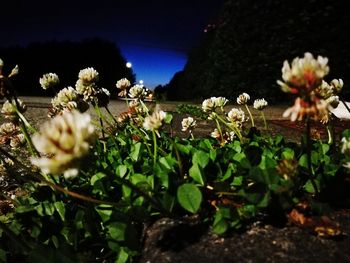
[(110, 114), (250, 114), (232, 127), (264, 119), (308, 153), (155, 148), (29, 141)]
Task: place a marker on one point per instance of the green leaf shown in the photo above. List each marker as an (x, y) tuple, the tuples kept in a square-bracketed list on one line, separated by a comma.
[(122, 256), (121, 170), (186, 149), (201, 158), (196, 173), (168, 118), (303, 161), (189, 197), (96, 178), (61, 209), (288, 154), (237, 181), (242, 160), (3, 257), (325, 148), (135, 151), (117, 231), (105, 212), (310, 188)]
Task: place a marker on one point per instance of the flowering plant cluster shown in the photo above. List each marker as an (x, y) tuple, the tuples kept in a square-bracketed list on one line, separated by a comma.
[(92, 184)]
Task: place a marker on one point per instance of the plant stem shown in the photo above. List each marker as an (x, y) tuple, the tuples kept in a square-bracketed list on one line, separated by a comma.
[(250, 115), (264, 119), (308, 153), (110, 114), (155, 148)]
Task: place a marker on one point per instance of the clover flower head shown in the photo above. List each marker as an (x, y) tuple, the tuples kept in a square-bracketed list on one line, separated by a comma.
[(63, 141), (325, 90), (260, 104), (14, 71), (154, 121), (88, 76), (337, 85), (220, 101), (123, 84), (226, 137), (304, 74), (63, 97), (345, 146), (9, 109), (17, 141), (1, 63), (243, 99), (188, 124), (10, 135), (333, 101), (236, 116), (88, 91), (317, 109), (209, 104), (49, 80), (137, 92)]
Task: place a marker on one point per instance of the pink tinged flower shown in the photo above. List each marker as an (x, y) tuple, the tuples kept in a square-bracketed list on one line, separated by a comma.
[(304, 74), (243, 99), (63, 141), (316, 109)]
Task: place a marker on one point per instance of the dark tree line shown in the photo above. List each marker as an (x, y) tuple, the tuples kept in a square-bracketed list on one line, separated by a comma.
[(245, 50), (65, 59)]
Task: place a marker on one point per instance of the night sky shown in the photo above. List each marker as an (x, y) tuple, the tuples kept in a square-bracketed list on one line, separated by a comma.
[(154, 35)]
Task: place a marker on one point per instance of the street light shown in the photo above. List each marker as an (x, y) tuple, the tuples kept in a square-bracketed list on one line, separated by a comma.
[(128, 64)]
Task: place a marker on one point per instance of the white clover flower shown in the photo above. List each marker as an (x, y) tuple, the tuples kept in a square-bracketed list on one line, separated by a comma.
[(304, 74), (17, 141), (220, 101), (345, 146), (137, 92), (317, 110), (88, 91), (209, 104), (14, 71), (188, 124), (123, 84), (325, 90), (227, 137), (333, 101), (64, 97), (243, 99), (337, 85), (49, 80), (9, 110), (236, 116), (8, 128), (63, 141), (260, 104), (88, 76), (154, 121)]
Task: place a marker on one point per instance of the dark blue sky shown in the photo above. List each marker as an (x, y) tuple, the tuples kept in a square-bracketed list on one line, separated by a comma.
[(155, 35)]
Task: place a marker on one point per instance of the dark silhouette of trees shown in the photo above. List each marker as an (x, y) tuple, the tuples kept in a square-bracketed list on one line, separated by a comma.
[(245, 49), (66, 59)]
